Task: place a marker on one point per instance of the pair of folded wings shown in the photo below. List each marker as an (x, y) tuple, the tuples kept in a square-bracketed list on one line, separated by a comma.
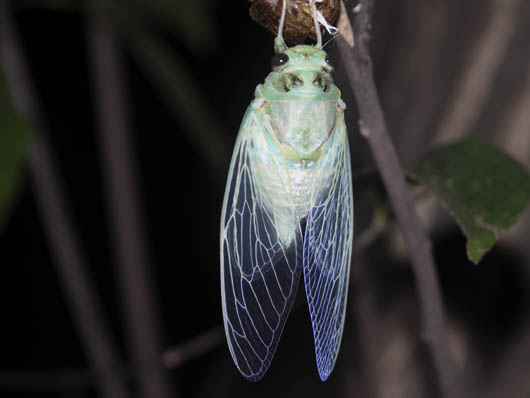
[(261, 262)]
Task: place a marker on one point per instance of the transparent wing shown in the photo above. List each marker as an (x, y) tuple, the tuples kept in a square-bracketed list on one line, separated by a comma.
[(260, 249), (327, 248)]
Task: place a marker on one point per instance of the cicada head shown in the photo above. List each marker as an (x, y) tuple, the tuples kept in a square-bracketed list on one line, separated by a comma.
[(301, 73)]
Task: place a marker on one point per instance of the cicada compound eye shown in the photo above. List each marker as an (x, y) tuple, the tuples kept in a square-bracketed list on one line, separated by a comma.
[(331, 61), (279, 60)]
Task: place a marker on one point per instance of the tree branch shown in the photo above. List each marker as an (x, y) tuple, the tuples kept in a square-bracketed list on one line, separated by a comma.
[(69, 260), (175, 357), (478, 76), (124, 209), (372, 124), (77, 379)]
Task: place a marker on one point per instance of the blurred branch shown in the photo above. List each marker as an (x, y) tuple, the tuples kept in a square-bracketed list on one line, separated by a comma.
[(124, 210), (175, 84), (69, 259), (175, 357), (369, 236), (358, 65), (417, 73), (362, 311), (60, 380), (514, 134), (476, 80)]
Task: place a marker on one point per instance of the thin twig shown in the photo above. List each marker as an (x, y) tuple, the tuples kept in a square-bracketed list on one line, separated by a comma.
[(175, 357), (130, 243), (69, 261), (513, 134), (421, 81), (478, 77), (358, 65), (76, 379), (368, 237)]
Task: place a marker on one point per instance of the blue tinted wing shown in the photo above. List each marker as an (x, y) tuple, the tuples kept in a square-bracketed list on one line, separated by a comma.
[(260, 250), (327, 248)]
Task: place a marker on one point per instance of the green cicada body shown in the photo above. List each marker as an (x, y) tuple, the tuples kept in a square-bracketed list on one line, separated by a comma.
[(290, 167)]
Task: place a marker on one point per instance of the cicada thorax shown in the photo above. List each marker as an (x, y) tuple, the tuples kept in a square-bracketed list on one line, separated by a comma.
[(302, 130), (297, 109), (296, 140)]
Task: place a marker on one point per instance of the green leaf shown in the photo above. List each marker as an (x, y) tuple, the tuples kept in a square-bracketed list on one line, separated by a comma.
[(14, 140), (483, 188)]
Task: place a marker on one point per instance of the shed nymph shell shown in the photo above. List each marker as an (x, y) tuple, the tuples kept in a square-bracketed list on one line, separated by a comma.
[(299, 20)]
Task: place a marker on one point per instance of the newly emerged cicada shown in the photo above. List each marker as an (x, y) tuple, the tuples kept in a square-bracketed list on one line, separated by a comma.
[(288, 207)]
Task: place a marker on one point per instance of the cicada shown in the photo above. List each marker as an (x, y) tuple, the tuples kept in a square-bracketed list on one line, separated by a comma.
[(288, 210)]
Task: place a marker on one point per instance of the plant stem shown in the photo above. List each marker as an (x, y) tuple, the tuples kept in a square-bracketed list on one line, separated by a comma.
[(77, 379), (176, 356), (134, 278), (372, 125)]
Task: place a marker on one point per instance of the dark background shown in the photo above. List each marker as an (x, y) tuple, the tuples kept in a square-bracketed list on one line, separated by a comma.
[(423, 56)]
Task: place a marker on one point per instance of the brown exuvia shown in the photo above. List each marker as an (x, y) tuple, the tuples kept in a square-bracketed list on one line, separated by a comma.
[(299, 19)]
